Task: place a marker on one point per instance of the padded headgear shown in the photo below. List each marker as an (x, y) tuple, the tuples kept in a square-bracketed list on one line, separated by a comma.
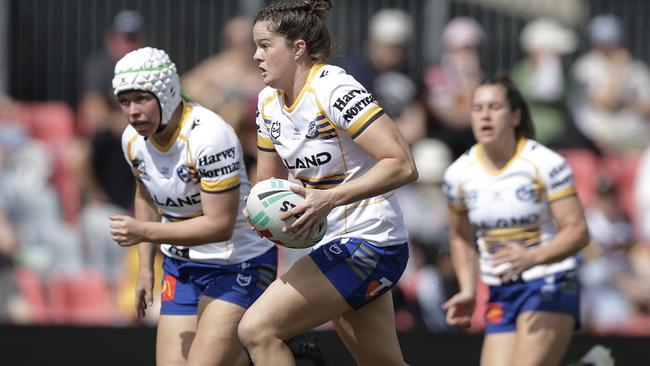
[(150, 69)]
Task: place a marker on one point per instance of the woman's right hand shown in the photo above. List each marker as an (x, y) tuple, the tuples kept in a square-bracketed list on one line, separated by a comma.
[(143, 292), (460, 309)]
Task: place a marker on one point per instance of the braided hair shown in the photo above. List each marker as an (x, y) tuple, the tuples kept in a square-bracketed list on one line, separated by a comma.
[(300, 19)]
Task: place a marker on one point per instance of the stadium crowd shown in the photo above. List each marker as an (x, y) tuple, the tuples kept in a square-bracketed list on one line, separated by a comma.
[(62, 175)]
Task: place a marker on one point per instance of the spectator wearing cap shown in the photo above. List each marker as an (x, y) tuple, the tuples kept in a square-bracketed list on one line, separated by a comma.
[(613, 100), (125, 34), (449, 83), (383, 67), (542, 76)]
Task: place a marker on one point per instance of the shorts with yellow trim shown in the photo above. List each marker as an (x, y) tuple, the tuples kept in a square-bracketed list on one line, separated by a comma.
[(185, 282), (360, 271)]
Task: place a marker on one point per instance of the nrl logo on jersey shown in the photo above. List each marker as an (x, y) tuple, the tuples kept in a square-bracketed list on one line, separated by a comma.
[(275, 130), (140, 169)]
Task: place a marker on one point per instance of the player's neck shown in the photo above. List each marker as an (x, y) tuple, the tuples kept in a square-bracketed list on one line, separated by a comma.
[(499, 154), (299, 81), (163, 137)]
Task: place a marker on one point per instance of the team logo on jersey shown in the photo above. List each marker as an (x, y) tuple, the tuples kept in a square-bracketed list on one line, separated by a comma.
[(312, 130), (526, 193), (275, 130), (187, 174), (140, 169)]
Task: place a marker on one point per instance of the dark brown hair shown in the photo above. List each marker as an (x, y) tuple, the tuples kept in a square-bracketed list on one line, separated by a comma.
[(516, 101), (300, 19)]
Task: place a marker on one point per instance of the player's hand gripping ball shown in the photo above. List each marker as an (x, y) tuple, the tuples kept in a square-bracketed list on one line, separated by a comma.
[(267, 201)]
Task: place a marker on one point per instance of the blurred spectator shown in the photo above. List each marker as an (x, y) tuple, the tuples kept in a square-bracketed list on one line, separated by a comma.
[(613, 101), (228, 82), (32, 207), (126, 34), (608, 284), (450, 82), (429, 277), (543, 80), (107, 188), (383, 67), (642, 196)]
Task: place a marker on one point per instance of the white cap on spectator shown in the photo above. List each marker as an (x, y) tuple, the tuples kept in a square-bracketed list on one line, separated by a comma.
[(392, 26), (548, 35), (462, 32), (605, 29), (432, 157)]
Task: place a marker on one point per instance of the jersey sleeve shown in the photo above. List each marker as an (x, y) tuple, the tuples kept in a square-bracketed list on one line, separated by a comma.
[(263, 122), (556, 175), (452, 187), (348, 104), (216, 153)]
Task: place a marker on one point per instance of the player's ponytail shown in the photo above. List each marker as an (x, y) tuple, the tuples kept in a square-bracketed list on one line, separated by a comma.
[(300, 19)]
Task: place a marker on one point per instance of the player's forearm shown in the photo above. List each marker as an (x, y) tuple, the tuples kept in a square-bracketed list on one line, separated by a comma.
[(386, 175), (195, 231), (464, 258), (568, 241), (146, 255)]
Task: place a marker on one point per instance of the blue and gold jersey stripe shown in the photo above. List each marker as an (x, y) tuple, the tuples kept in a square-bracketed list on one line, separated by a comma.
[(526, 235), (365, 120), (322, 183)]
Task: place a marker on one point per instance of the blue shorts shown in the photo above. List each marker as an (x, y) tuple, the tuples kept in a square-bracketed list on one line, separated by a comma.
[(360, 271), (557, 293), (184, 282)]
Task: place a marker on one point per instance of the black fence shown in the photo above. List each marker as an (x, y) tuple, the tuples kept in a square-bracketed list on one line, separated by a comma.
[(71, 346), (49, 39)]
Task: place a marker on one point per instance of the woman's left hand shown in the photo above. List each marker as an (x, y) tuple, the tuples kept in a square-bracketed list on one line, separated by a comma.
[(317, 205), (519, 258), (126, 230)]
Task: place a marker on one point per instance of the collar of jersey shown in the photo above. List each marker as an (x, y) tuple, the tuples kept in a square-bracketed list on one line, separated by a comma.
[(187, 109), (312, 72), (481, 159)]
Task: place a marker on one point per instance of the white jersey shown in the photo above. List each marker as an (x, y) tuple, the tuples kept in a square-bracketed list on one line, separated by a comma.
[(204, 154), (315, 139), (512, 204)]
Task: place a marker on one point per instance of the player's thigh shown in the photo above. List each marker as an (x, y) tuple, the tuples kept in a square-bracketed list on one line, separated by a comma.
[(216, 341), (369, 333), (300, 300), (174, 338), (498, 349), (543, 337)]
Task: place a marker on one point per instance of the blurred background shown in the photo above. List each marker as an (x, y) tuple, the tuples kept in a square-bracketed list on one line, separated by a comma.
[(581, 64)]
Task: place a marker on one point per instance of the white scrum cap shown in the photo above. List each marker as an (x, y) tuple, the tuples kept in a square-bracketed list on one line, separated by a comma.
[(150, 69)]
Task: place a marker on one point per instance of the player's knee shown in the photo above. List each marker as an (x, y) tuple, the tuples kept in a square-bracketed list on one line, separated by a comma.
[(251, 331)]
